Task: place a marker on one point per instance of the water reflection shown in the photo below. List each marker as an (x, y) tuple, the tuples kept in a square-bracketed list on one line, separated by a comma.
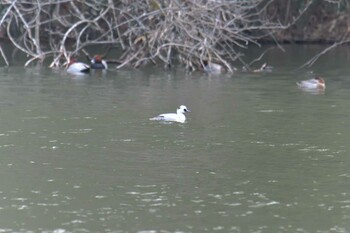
[(313, 91)]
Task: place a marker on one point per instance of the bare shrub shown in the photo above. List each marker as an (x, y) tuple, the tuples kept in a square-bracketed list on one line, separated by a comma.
[(192, 32)]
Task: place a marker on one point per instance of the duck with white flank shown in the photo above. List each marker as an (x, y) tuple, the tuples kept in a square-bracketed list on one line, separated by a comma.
[(312, 84), (75, 67), (263, 68), (179, 116), (97, 63), (212, 68)]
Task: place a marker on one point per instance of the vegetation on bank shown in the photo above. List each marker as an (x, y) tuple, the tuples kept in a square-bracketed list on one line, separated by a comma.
[(195, 33)]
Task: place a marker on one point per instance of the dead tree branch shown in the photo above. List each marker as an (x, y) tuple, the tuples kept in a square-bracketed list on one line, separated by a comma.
[(191, 32)]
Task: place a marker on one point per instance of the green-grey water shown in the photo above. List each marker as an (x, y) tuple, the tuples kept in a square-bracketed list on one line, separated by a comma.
[(256, 154)]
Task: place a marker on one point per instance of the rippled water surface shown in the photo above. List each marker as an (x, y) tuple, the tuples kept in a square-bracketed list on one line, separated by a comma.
[(79, 154)]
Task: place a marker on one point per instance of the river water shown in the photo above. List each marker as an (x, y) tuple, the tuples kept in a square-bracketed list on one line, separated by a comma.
[(256, 154)]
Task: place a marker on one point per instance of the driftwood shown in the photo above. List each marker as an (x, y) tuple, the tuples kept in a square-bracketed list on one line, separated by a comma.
[(193, 32)]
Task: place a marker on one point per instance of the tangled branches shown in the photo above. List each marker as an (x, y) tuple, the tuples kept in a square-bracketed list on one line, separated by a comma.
[(193, 32)]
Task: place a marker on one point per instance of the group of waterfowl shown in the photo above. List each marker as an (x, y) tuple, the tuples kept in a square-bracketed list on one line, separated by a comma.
[(97, 63), (76, 67), (314, 84)]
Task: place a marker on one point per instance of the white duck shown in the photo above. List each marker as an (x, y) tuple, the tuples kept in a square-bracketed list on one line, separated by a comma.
[(312, 84), (75, 67), (179, 116)]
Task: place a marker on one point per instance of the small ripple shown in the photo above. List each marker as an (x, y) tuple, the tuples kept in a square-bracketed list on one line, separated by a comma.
[(271, 110), (78, 131), (146, 186), (246, 213), (257, 142), (263, 204), (218, 228), (20, 207), (35, 191), (73, 222), (313, 148), (2, 230), (147, 231), (238, 193), (127, 140), (80, 118), (290, 144), (7, 145), (133, 193), (59, 230), (197, 201), (35, 118), (47, 204), (339, 229), (233, 204), (22, 199)]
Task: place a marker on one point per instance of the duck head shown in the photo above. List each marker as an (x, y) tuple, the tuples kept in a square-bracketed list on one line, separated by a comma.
[(182, 109), (98, 63)]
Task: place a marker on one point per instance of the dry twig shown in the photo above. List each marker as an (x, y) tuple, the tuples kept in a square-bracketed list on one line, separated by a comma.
[(190, 32)]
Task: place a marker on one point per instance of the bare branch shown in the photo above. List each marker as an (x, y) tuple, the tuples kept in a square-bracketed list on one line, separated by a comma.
[(317, 56), (4, 56), (145, 31)]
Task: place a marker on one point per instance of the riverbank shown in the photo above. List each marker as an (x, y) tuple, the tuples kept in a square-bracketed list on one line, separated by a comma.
[(324, 22), (198, 34)]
